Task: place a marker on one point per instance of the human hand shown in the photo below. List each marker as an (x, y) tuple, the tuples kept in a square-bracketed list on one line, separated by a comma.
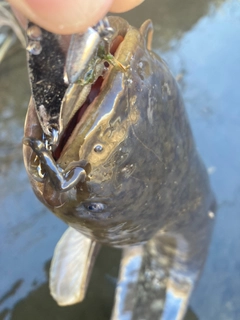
[(71, 16)]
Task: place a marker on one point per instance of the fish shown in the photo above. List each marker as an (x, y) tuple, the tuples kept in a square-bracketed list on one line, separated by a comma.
[(123, 171)]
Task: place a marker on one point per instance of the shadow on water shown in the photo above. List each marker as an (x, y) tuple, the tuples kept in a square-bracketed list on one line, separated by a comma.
[(201, 42), (97, 304)]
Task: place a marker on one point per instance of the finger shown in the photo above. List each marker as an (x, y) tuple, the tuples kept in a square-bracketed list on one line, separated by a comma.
[(61, 16), (124, 5)]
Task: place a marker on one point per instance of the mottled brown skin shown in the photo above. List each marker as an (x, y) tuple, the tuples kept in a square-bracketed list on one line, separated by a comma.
[(149, 176)]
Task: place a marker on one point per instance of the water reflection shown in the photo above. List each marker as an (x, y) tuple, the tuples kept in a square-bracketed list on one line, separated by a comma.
[(14, 99), (171, 18), (96, 305)]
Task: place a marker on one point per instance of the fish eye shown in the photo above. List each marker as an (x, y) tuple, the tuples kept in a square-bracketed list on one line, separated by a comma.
[(95, 207)]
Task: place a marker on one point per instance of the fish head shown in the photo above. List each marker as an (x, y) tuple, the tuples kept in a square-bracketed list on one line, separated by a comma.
[(112, 138)]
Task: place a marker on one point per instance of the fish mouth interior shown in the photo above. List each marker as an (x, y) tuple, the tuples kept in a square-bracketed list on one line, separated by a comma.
[(94, 92)]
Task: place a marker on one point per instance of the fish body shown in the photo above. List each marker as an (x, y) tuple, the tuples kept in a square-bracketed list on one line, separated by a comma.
[(143, 183)]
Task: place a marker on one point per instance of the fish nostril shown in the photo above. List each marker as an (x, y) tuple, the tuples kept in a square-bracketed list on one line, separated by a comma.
[(98, 148)]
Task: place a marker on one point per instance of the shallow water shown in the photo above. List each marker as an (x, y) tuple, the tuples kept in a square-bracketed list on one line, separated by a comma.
[(200, 40)]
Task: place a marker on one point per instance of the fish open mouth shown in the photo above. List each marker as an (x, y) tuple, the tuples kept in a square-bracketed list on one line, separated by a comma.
[(95, 90)]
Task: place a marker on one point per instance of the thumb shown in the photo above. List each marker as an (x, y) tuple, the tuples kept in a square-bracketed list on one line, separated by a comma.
[(61, 16)]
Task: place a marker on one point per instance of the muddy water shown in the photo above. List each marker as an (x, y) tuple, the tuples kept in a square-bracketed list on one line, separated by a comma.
[(201, 42)]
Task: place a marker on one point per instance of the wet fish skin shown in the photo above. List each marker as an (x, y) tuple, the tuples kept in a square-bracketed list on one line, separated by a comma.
[(149, 175), (148, 185)]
